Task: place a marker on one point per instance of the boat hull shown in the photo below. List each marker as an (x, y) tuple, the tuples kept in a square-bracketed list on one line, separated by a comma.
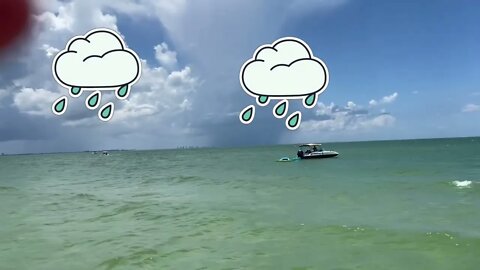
[(319, 156), (314, 155)]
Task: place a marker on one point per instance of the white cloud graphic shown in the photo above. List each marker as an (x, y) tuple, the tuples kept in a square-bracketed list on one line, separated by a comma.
[(99, 59), (284, 69)]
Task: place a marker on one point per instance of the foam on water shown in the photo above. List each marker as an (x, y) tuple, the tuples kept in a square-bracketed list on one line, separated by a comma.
[(462, 184)]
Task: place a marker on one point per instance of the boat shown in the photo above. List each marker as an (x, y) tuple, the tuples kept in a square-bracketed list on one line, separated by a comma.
[(314, 150)]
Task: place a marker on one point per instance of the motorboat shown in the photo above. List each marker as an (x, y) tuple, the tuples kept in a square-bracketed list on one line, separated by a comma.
[(314, 150)]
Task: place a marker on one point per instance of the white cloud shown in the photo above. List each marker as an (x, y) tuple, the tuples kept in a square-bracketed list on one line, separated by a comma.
[(341, 122), (162, 93), (471, 108), (323, 109), (351, 117), (382, 120), (200, 39), (98, 59), (286, 68), (34, 101), (390, 99), (351, 105), (49, 50), (385, 100), (155, 101), (165, 56), (76, 16)]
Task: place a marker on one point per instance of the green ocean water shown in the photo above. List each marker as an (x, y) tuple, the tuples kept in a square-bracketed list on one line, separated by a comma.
[(379, 205)]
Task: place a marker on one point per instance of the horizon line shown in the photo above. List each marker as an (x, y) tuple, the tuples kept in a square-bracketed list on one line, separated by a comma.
[(228, 147)]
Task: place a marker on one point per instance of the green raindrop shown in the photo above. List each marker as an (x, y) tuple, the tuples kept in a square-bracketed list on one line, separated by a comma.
[(310, 100), (106, 111), (262, 100), (75, 91), (247, 114), (93, 100), (60, 105), (293, 120), (281, 109), (122, 91)]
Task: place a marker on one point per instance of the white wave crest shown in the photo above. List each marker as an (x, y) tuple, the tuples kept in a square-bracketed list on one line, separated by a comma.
[(462, 184)]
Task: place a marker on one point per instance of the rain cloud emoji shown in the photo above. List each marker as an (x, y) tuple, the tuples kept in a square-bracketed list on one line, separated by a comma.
[(98, 61), (283, 70)]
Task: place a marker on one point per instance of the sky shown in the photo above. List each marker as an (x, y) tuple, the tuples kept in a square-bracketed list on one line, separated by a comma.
[(398, 70)]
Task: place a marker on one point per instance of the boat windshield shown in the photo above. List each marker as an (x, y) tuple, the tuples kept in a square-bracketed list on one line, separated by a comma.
[(313, 148)]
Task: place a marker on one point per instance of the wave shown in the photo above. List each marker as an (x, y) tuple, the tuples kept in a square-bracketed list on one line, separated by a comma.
[(462, 184)]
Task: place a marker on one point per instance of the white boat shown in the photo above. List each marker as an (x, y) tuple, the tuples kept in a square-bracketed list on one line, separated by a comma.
[(314, 150)]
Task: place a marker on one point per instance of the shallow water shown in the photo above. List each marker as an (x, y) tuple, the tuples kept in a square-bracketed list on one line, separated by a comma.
[(379, 205)]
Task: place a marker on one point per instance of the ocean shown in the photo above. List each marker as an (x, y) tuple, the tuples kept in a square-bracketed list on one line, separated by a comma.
[(411, 204)]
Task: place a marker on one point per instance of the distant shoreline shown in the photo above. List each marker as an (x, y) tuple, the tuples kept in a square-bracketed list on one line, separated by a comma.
[(180, 148)]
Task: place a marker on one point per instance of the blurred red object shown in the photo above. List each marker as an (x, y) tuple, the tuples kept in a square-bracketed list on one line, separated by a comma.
[(14, 20)]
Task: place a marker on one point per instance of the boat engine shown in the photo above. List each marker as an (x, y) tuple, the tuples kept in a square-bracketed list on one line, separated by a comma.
[(300, 154)]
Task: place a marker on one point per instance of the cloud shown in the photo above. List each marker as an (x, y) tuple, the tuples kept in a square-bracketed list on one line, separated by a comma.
[(165, 56), (343, 122), (351, 117), (471, 108), (62, 16), (166, 107), (385, 100), (49, 50), (378, 121), (163, 98), (34, 101), (162, 94), (286, 68), (98, 59)]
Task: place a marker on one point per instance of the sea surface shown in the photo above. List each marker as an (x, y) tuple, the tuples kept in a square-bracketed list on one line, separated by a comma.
[(379, 205)]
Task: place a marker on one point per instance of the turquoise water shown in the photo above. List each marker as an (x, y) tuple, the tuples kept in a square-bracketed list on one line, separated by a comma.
[(379, 205)]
